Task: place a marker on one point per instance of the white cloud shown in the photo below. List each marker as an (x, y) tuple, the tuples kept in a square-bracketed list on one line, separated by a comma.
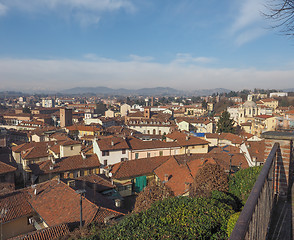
[(248, 35), (86, 11), (248, 24), (187, 58), (62, 74), (3, 9), (137, 58)]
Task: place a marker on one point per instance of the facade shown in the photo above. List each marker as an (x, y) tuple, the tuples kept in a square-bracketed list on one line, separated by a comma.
[(65, 117)]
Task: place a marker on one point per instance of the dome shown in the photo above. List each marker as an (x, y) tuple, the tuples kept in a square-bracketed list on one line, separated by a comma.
[(249, 104)]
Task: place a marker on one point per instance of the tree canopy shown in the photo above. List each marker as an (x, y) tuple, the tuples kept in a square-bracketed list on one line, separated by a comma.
[(153, 192), (209, 178), (282, 13), (176, 218), (225, 123)]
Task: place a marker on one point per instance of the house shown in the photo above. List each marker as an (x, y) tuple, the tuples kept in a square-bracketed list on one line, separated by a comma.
[(65, 148), (111, 150), (269, 102), (7, 181), (133, 175), (263, 123), (68, 167), (145, 149), (47, 205), (178, 172), (223, 139), (16, 214), (31, 152), (188, 144), (81, 130)]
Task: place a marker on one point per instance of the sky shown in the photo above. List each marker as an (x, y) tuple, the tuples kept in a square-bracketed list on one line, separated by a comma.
[(183, 44)]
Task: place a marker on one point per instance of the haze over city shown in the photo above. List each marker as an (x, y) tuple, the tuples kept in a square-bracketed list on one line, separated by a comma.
[(187, 44)]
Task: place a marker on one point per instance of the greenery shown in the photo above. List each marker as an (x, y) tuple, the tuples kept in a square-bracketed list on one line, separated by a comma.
[(232, 222), (175, 218), (242, 182), (210, 177), (225, 123)]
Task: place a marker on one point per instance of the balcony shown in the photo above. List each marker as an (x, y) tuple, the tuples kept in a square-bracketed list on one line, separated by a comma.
[(268, 212)]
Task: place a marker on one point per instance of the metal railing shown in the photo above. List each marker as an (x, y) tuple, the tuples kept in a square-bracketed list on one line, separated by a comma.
[(255, 217)]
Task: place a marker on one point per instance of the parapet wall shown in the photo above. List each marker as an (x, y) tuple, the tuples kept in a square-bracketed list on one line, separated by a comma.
[(284, 159)]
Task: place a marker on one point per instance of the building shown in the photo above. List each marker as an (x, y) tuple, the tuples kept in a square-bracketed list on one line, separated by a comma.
[(65, 117)]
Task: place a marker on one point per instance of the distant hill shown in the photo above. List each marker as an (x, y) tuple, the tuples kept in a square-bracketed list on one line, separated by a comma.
[(159, 91), (288, 90)]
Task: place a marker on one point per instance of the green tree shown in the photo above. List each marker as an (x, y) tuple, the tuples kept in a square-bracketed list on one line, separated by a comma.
[(225, 123), (242, 182)]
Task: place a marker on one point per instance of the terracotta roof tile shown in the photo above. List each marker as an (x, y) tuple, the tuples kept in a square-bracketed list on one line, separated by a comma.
[(16, 205), (179, 176), (65, 164), (185, 140), (112, 143), (5, 168), (57, 203), (54, 232), (137, 144), (138, 167)]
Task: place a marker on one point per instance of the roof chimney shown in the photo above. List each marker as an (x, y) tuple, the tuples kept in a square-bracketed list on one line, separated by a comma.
[(187, 186), (166, 177), (112, 143)]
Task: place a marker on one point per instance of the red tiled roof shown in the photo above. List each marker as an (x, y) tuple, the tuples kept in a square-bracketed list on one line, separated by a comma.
[(5, 168), (112, 143), (179, 176), (54, 232), (225, 136), (264, 116), (137, 144), (256, 149), (101, 183), (57, 203), (185, 140), (139, 167), (65, 164), (16, 205)]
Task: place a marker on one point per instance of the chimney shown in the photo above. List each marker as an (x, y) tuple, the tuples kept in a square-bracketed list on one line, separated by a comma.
[(187, 138), (112, 143), (83, 155), (187, 186), (51, 167), (166, 177)]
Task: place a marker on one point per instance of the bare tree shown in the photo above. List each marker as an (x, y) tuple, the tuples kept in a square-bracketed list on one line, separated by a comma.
[(282, 13), (154, 191)]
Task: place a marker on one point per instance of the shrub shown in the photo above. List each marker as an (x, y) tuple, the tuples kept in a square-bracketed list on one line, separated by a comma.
[(243, 181), (232, 222), (151, 193), (175, 218)]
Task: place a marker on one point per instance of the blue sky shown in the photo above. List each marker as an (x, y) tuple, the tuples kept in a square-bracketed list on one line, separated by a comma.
[(184, 44)]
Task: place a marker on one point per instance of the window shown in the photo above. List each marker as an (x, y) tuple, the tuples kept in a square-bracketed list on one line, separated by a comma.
[(136, 155), (105, 153), (160, 153), (148, 154), (105, 162), (123, 151), (71, 148)]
